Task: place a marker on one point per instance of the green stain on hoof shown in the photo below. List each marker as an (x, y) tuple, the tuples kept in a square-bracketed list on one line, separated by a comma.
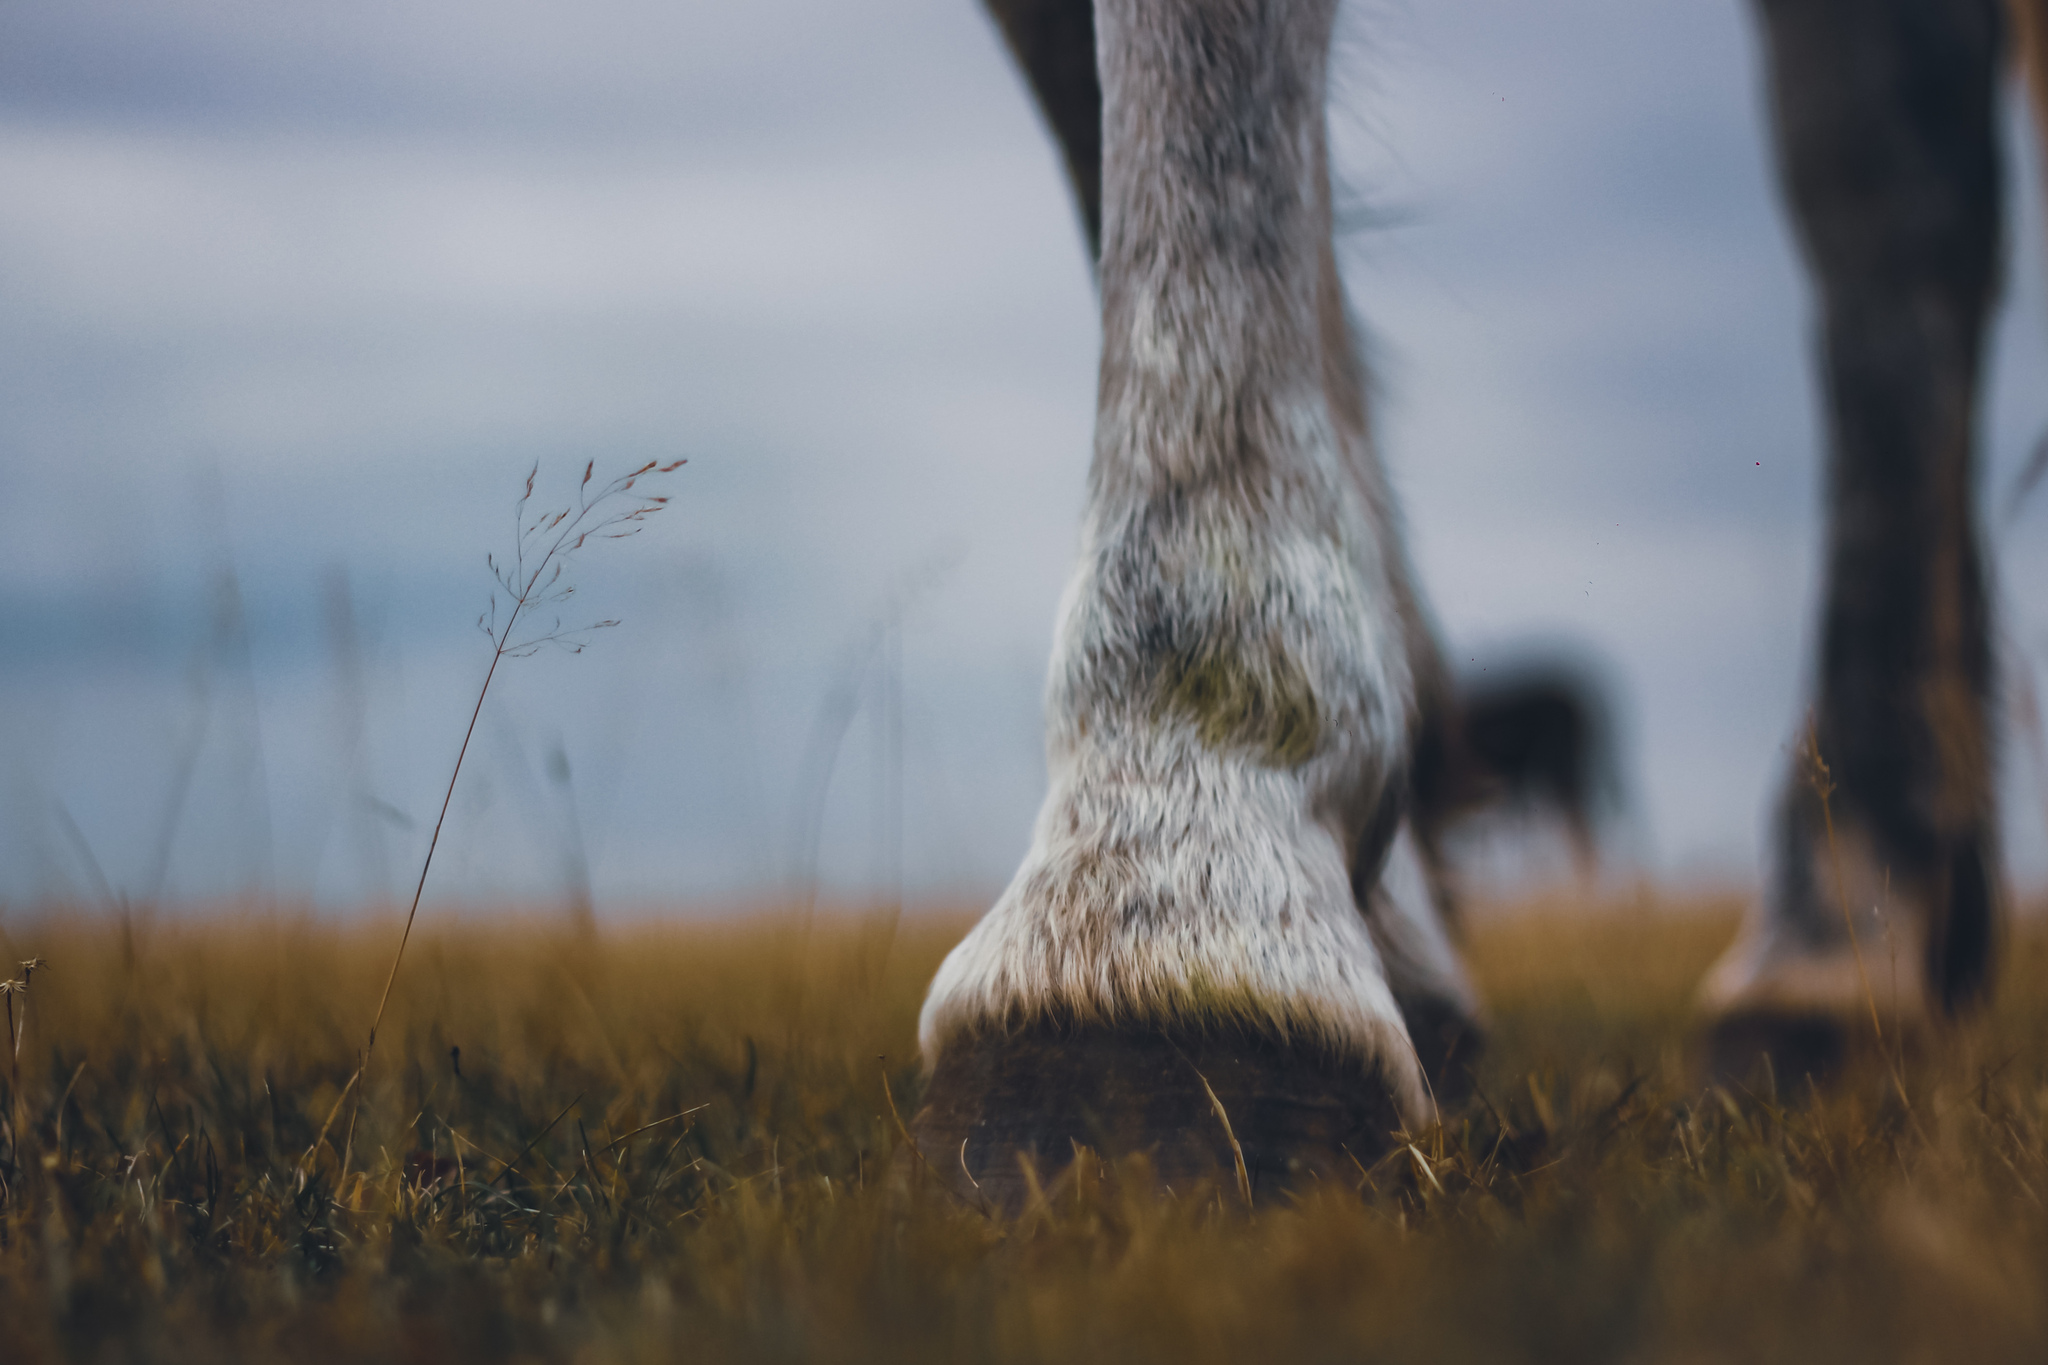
[(1263, 706)]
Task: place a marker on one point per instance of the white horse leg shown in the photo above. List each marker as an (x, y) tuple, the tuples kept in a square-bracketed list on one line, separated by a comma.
[(1232, 692)]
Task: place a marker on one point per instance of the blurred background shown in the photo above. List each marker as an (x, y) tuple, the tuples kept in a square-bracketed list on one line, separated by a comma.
[(292, 297)]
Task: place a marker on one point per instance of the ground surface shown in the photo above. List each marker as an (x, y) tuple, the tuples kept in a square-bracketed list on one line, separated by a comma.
[(178, 1190)]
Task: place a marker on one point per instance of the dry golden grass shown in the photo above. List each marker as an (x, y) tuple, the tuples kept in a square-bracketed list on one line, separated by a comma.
[(172, 1191)]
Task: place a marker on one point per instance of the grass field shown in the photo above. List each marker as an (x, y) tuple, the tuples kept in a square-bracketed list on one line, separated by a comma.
[(175, 1186)]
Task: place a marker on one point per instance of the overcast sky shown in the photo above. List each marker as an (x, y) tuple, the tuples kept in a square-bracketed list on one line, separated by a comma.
[(291, 298)]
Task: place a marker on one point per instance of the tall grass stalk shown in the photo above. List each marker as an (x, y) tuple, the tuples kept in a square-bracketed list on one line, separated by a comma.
[(10, 991), (533, 581)]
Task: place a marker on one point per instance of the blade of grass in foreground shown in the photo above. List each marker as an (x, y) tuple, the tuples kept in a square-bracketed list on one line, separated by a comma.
[(533, 581)]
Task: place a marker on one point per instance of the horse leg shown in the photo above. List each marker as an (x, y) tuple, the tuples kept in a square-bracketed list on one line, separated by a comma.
[(1181, 965), (1881, 902)]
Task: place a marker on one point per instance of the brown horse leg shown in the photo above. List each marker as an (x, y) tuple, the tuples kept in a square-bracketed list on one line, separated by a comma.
[(1882, 899)]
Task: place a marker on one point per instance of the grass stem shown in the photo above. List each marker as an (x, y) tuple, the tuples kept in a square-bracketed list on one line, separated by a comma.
[(608, 514)]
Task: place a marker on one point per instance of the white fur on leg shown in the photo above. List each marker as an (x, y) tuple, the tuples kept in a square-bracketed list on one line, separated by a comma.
[(1180, 871), (1231, 691), (1780, 964), (1202, 900)]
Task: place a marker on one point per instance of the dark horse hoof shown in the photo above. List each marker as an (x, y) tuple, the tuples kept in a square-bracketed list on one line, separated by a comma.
[(1005, 1109), (1742, 1048)]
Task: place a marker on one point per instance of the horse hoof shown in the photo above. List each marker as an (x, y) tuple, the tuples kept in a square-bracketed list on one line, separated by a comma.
[(1784, 1049), (1008, 1112)]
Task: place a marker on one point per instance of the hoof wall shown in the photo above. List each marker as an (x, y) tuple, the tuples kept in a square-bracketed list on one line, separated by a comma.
[(1005, 1111), (1748, 1048)]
